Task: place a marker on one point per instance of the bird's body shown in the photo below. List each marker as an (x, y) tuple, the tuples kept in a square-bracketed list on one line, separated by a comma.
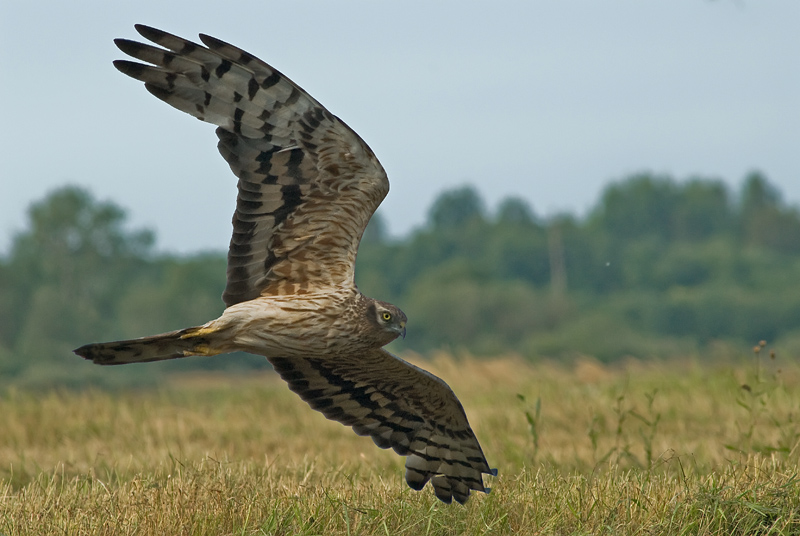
[(308, 186), (275, 326)]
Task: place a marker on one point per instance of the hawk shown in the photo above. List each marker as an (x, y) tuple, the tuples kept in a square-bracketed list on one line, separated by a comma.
[(308, 186)]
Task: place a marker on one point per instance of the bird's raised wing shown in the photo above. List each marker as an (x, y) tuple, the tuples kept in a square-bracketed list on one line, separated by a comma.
[(400, 406), (308, 184)]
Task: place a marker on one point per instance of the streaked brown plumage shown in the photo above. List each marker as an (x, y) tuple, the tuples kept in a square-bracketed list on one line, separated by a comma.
[(308, 186)]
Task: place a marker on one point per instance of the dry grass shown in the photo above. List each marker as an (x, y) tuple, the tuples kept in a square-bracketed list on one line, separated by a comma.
[(670, 448)]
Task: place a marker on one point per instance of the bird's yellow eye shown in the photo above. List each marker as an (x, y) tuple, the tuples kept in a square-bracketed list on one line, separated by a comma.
[(387, 316)]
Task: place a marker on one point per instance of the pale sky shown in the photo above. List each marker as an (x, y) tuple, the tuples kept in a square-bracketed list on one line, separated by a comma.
[(546, 100)]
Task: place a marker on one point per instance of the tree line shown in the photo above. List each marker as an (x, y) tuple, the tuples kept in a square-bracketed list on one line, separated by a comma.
[(657, 268)]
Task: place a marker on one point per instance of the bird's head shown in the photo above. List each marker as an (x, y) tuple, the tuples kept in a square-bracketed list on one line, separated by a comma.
[(390, 320)]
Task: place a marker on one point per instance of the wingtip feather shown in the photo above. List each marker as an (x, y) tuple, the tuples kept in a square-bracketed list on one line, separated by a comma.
[(212, 42), (130, 68), (128, 46), (148, 32)]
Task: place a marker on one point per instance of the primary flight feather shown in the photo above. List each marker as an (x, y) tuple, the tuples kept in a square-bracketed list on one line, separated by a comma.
[(308, 186)]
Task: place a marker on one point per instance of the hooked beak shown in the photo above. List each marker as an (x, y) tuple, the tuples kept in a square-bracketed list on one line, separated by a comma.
[(403, 333)]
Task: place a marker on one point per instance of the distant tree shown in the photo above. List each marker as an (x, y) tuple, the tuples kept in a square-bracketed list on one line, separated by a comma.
[(639, 206), (765, 221), (516, 251), (454, 306), (12, 298), (703, 210), (775, 229), (515, 211), (660, 264), (186, 291), (70, 223), (758, 193), (589, 262), (69, 266), (456, 208)]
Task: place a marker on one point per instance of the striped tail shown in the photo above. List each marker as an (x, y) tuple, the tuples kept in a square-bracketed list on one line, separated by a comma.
[(172, 345)]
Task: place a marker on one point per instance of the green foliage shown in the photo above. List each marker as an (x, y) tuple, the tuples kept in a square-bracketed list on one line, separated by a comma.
[(646, 205), (658, 268), (78, 275), (455, 209), (765, 222), (62, 280), (515, 211), (452, 304)]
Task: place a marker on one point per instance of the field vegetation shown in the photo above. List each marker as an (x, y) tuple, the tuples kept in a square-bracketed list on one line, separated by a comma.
[(668, 447)]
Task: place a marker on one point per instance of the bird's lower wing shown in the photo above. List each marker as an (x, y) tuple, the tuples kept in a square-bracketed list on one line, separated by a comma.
[(400, 406)]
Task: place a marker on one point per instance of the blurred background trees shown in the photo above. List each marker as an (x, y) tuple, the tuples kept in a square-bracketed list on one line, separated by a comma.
[(658, 268)]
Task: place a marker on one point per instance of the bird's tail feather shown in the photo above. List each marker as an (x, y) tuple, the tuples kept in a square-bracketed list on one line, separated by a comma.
[(172, 345)]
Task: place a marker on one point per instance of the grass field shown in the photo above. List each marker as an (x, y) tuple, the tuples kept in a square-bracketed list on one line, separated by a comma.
[(639, 448)]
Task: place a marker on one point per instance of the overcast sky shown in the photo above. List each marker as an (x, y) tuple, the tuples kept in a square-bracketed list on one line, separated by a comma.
[(547, 100)]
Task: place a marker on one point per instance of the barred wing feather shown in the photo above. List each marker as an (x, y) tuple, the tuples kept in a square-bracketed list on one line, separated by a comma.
[(308, 184), (399, 406)]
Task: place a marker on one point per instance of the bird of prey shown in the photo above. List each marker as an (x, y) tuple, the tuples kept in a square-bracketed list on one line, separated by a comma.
[(308, 186)]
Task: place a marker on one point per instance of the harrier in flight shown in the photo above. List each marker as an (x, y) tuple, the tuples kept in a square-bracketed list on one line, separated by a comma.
[(308, 185)]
